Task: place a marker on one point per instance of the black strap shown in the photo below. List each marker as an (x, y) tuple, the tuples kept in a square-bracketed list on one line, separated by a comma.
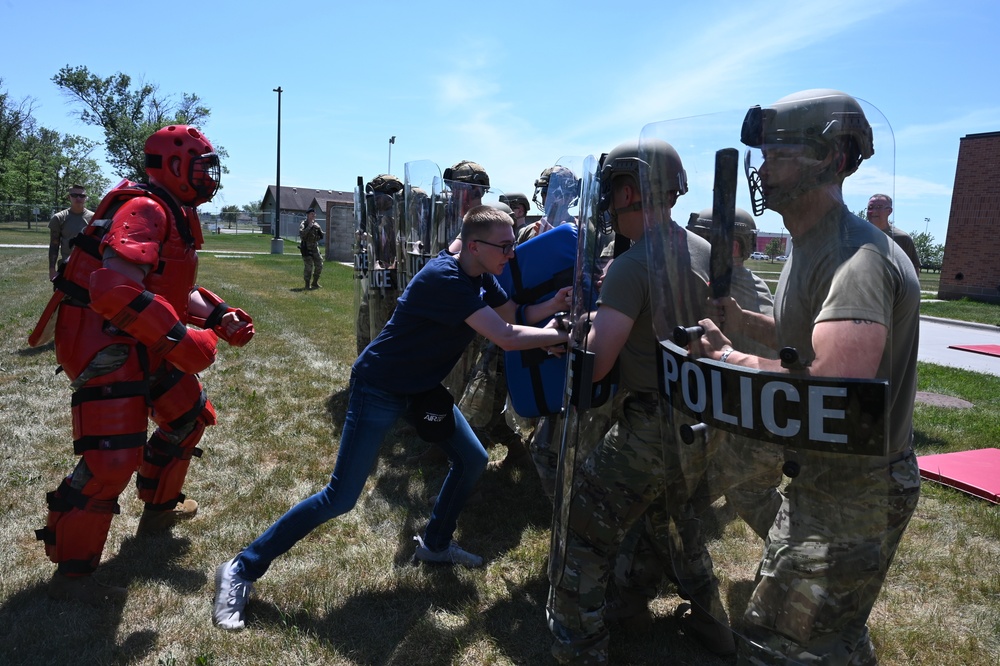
[(162, 384), (109, 442), (109, 392), (180, 219), (563, 278), (532, 359)]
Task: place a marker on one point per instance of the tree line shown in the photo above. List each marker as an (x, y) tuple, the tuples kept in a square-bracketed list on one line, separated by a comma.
[(38, 164)]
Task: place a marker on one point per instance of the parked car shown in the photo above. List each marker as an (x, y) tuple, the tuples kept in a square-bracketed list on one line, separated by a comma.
[(758, 255), (781, 257)]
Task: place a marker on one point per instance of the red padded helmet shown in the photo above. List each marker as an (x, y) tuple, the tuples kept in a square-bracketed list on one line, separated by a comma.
[(181, 160)]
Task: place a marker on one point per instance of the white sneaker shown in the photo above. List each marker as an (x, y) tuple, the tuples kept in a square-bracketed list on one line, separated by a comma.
[(453, 554), (231, 594)]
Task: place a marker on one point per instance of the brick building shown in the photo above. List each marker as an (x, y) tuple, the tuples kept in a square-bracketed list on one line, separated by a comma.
[(971, 266)]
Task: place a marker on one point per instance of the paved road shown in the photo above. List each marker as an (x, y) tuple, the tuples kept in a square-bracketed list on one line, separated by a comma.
[(937, 334)]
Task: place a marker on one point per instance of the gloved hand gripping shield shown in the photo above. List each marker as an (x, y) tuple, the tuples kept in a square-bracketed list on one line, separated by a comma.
[(811, 453), (420, 179)]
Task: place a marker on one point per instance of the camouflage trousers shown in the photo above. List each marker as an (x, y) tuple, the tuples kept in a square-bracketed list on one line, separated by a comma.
[(485, 396), (546, 439), (826, 557), (614, 487), (312, 266)]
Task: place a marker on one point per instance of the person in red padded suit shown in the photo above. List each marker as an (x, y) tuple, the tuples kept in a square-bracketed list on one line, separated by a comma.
[(120, 317)]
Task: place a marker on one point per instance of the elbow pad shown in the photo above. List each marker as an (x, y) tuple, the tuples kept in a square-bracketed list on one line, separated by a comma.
[(242, 335), (151, 320)]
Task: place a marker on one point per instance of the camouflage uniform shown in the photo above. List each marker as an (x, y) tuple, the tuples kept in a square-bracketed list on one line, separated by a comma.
[(311, 235), (746, 471), (625, 474)]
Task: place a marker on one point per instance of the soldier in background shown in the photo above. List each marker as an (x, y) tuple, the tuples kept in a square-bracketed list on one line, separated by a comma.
[(879, 210), (64, 227), (519, 207), (556, 190), (311, 237)]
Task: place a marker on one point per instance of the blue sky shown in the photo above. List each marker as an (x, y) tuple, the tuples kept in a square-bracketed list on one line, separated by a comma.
[(517, 85)]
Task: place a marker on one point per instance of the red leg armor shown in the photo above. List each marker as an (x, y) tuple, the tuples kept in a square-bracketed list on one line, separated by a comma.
[(182, 412), (109, 430)]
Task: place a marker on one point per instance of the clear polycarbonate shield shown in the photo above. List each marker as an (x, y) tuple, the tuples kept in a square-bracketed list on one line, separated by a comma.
[(562, 195), (811, 453), (419, 182), (587, 403), (361, 268), (383, 214)]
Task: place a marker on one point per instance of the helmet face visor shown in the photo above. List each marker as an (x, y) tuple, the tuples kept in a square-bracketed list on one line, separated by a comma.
[(205, 175)]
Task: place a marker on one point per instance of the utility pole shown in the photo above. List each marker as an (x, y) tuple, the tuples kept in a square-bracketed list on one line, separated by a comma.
[(277, 244), (392, 140)]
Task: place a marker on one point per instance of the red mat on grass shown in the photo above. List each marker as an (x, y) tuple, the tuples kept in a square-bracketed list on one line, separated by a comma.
[(975, 472), (989, 350)]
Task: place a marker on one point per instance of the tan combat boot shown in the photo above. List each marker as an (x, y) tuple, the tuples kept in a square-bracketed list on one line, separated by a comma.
[(157, 522)]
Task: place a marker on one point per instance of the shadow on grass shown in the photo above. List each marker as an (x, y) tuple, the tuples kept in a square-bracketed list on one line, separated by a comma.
[(62, 632), (35, 351)]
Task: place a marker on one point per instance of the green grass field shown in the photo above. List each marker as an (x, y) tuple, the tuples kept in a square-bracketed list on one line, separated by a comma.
[(347, 594)]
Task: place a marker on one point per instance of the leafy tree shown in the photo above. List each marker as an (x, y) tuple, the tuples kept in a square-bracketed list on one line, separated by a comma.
[(128, 114), (37, 164), (773, 248), (254, 210), (230, 215), (930, 254), (15, 118)]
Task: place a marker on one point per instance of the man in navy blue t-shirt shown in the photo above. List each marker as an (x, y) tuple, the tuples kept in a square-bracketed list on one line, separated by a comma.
[(450, 300)]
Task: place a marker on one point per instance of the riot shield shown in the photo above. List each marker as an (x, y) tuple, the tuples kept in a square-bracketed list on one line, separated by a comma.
[(419, 183), (812, 451), (562, 442), (362, 326), (383, 215)]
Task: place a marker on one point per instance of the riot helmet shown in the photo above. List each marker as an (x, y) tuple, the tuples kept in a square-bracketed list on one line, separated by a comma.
[(181, 160), (381, 189), (384, 183), (744, 230), (808, 126), (468, 172), (516, 199), (468, 182), (659, 162), (556, 182), (503, 207)]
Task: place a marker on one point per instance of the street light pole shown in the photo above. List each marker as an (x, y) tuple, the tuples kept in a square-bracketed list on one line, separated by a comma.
[(392, 140), (927, 222), (277, 244)]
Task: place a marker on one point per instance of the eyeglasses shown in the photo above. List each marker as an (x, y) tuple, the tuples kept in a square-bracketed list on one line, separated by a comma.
[(77, 196), (878, 207), (506, 248)]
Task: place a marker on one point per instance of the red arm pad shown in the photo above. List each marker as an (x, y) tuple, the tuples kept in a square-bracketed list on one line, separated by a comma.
[(240, 336), (151, 320)]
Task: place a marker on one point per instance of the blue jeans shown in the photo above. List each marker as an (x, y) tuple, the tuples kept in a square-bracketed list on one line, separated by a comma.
[(371, 413)]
